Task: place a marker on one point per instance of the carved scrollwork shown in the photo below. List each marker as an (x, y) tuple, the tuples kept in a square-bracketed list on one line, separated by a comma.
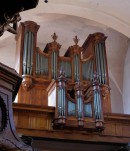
[(27, 83), (105, 91), (11, 145), (3, 115), (9, 20)]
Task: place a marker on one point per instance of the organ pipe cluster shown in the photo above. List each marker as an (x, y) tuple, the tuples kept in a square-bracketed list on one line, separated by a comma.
[(28, 53), (79, 102), (100, 62), (98, 113), (79, 92), (61, 97), (42, 63)]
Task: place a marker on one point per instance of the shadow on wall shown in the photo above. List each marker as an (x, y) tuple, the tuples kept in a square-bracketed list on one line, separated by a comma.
[(126, 83)]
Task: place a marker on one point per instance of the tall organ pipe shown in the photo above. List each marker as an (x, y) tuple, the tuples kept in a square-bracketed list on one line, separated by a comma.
[(101, 59), (61, 96), (25, 53), (79, 100), (66, 65), (100, 62), (28, 53), (97, 103), (31, 70), (104, 61), (54, 64), (76, 67)]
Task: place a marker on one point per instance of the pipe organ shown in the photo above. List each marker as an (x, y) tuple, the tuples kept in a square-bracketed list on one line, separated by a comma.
[(79, 79), (42, 64)]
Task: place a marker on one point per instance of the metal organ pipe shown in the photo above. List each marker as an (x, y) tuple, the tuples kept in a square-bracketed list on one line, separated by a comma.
[(100, 62), (76, 67), (66, 65), (31, 54), (61, 101), (64, 102), (104, 61), (25, 53), (54, 64), (87, 70), (28, 53), (97, 103), (79, 100), (59, 104)]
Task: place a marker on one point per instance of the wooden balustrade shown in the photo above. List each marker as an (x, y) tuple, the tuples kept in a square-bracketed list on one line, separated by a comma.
[(36, 121)]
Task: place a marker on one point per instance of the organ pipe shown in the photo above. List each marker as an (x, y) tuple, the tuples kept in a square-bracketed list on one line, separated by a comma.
[(54, 64), (61, 84), (66, 65), (79, 100), (28, 54), (97, 102), (71, 108), (25, 53), (100, 62), (32, 40), (41, 63), (87, 70), (76, 67)]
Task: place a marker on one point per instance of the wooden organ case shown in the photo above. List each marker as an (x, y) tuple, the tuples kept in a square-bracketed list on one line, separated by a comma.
[(76, 84)]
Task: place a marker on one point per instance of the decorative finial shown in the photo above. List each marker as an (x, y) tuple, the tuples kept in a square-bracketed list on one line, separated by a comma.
[(76, 40), (54, 37)]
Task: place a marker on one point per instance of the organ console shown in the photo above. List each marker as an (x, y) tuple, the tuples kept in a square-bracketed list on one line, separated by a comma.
[(76, 84)]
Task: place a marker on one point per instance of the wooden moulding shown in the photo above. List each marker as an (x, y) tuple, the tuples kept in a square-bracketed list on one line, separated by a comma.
[(9, 84), (117, 126)]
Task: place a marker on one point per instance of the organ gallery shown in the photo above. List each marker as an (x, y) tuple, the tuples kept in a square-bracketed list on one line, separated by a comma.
[(76, 84), (66, 96)]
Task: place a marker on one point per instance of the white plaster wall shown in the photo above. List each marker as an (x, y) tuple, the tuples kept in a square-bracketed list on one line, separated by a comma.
[(126, 83), (116, 45), (7, 50), (116, 99)]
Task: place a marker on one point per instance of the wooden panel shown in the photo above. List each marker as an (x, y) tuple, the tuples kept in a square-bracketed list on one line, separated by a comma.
[(36, 95), (126, 130), (34, 117), (117, 126)]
